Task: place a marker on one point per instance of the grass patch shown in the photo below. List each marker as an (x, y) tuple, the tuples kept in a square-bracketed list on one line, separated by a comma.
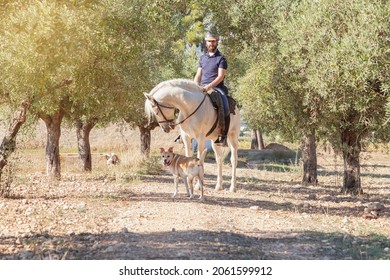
[(270, 160), (372, 247), (150, 166)]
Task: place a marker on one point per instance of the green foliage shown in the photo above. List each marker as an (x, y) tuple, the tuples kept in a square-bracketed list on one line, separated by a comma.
[(294, 65), (39, 52), (98, 56), (325, 69)]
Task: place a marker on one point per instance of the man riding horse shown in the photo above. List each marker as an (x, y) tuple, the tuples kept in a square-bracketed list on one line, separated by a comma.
[(210, 75)]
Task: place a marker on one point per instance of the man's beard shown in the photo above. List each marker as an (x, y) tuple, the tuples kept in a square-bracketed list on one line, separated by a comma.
[(211, 48)]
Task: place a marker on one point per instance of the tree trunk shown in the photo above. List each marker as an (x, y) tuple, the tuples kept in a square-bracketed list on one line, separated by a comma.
[(254, 142), (8, 144), (145, 138), (53, 127), (351, 148), (257, 139), (83, 130), (260, 140), (309, 158)]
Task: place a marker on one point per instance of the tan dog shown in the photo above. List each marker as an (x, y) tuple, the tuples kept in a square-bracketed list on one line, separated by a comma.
[(185, 167)]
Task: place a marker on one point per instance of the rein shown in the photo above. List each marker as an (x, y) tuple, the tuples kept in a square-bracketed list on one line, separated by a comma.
[(197, 108), (159, 106)]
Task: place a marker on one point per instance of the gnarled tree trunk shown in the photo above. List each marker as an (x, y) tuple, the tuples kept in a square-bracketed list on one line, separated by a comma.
[(8, 144), (83, 130), (309, 158), (145, 137), (351, 148), (53, 128)]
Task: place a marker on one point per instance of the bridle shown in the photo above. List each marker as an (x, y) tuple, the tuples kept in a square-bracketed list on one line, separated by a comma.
[(159, 106), (172, 122)]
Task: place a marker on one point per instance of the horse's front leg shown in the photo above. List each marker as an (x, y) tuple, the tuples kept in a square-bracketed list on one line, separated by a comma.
[(219, 160), (187, 144), (201, 147)]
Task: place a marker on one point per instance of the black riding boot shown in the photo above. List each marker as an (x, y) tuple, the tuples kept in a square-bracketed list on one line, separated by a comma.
[(222, 139)]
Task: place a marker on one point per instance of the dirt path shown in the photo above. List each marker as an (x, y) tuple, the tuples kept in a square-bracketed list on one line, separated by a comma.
[(121, 216)]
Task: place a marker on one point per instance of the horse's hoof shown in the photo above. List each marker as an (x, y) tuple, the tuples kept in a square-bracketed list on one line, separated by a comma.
[(218, 187), (232, 189)]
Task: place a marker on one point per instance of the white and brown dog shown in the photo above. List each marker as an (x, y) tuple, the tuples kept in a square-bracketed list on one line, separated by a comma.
[(112, 159), (185, 167)]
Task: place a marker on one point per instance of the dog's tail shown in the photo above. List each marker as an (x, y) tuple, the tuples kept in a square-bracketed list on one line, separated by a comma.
[(202, 157)]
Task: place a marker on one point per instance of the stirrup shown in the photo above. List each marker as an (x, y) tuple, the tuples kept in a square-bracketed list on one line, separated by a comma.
[(221, 141), (178, 139)]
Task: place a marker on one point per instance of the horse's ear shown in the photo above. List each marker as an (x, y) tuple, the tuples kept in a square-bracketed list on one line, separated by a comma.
[(149, 97)]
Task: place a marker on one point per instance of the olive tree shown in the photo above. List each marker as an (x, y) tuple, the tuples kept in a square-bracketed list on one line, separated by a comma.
[(326, 76), (46, 42)]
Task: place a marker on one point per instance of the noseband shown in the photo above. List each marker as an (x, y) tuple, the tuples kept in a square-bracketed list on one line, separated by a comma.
[(172, 122)]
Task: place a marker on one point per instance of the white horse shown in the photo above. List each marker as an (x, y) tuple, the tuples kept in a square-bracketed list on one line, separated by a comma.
[(196, 119)]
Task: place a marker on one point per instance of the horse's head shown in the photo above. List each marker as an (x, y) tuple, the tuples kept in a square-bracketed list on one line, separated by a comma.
[(164, 114)]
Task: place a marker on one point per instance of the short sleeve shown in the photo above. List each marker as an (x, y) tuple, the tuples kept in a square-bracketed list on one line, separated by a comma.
[(223, 63), (200, 64)]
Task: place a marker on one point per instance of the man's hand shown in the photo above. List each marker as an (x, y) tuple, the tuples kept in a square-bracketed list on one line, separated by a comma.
[(207, 88)]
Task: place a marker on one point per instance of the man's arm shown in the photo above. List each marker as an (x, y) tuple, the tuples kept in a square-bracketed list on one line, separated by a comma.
[(198, 76), (217, 80)]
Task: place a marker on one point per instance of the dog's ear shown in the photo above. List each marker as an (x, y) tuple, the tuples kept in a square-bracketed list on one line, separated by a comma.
[(107, 156), (162, 150), (170, 149)]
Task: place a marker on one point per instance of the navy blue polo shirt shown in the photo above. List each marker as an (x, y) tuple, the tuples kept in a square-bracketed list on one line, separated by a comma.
[(210, 65)]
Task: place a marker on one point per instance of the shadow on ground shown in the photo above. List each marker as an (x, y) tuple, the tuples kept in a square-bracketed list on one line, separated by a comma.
[(195, 245), (307, 196)]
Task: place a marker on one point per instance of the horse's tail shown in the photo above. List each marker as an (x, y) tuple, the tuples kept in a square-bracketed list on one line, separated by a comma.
[(202, 157)]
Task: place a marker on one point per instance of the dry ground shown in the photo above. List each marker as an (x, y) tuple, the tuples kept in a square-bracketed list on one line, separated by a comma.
[(121, 213)]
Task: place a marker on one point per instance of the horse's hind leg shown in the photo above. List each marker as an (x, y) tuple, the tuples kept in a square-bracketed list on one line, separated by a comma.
[(233, 143), (201, 180)]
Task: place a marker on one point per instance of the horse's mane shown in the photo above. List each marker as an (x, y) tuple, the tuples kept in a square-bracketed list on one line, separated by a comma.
[(186, 84)]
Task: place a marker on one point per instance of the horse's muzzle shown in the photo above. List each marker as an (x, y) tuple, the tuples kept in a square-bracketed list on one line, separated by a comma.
[(166, 129), (167, 126)]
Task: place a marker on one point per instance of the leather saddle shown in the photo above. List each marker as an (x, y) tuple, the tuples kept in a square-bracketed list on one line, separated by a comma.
[(217, 102)]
